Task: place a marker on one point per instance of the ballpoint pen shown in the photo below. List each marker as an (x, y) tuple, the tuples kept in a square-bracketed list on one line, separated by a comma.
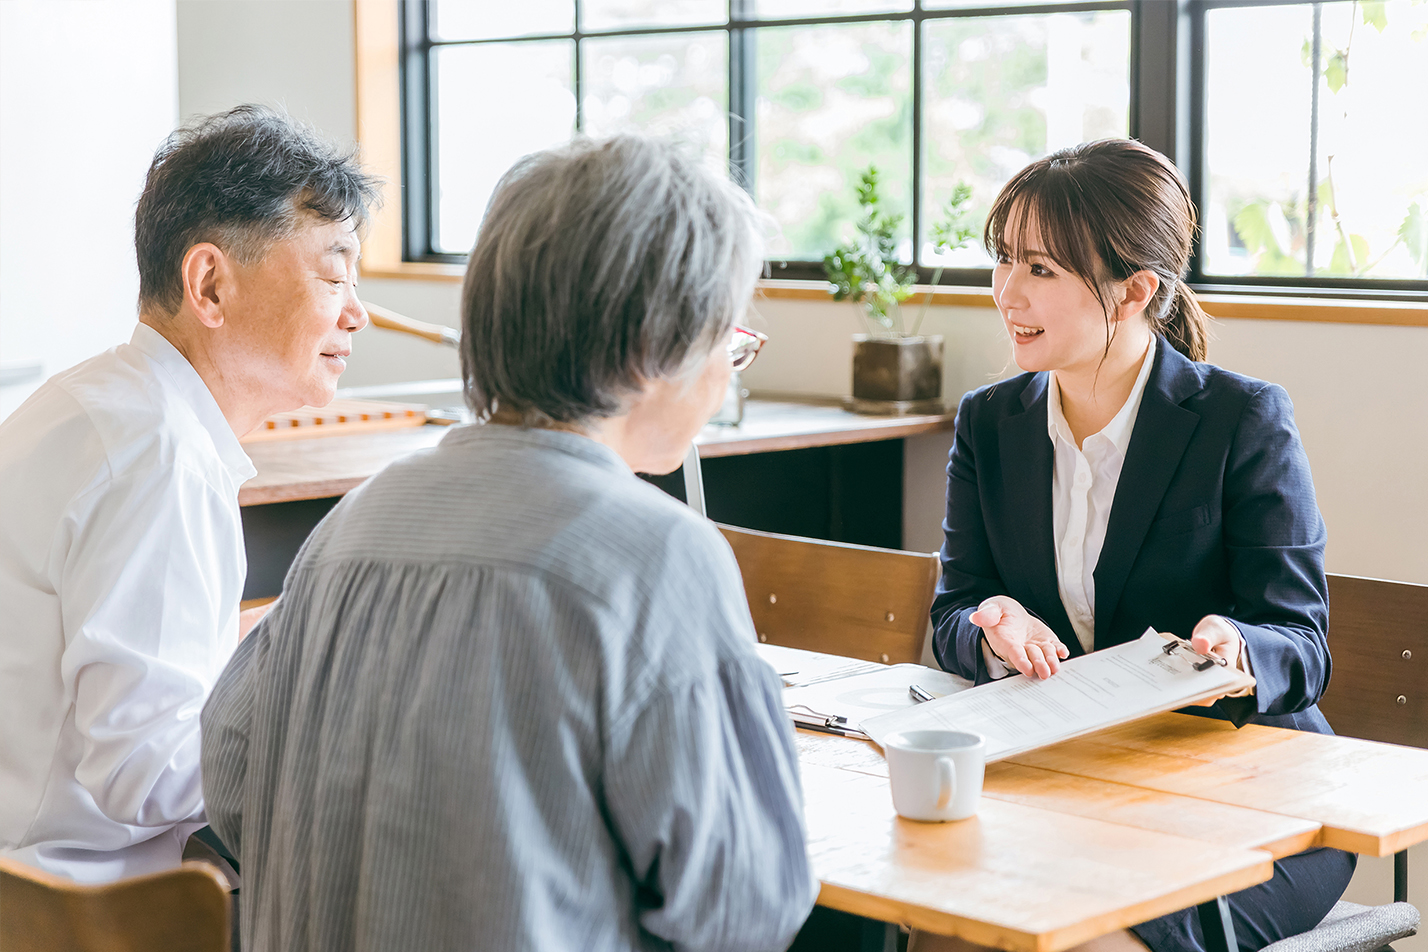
[(918, 694)]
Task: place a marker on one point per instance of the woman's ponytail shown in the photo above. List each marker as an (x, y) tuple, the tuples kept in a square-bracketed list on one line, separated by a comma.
[(1186, 325)]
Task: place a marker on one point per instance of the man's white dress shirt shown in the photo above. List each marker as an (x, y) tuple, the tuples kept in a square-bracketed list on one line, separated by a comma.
[(121, 568), (1083, 487)]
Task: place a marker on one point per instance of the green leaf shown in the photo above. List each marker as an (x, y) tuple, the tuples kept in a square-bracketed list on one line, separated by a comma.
[(955, 229), (1252, 225), (1340, 264), (1336, 71), (867, 270), (1374, 14), (1414, 234), (1306, 51)]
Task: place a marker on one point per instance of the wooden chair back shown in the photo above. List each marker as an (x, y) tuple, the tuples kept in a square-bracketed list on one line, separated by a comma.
[(1378, 635), (851, 600), (182, 910)]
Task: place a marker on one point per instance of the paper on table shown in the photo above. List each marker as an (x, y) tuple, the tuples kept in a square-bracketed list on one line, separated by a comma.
[(1101, 689), (799, 667), (859, 697)]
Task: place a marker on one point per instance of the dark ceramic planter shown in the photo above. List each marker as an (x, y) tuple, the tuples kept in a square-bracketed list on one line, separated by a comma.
[(897, 374)]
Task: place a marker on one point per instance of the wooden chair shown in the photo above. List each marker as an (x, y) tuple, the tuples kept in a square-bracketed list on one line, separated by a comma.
[(1378, 634), (182, 910), (851, 600)]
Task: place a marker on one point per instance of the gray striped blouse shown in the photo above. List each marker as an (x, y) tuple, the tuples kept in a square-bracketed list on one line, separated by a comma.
[(509, 700)]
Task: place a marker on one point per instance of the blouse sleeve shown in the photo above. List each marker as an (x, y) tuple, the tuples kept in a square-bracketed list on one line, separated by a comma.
[(701, 772), (704, 792), (1273, 531)]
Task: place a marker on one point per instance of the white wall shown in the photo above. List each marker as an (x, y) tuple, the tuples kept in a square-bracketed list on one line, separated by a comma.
[(293, 54), (87, 92)]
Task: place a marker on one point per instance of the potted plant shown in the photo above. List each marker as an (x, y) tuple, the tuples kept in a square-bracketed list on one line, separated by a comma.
[(895, 370)]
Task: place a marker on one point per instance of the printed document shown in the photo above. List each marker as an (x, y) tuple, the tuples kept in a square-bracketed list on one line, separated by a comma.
[(1090, 692)]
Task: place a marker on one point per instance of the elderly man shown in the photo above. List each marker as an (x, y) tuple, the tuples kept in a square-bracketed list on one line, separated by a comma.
[(121, 549), (510, 698)]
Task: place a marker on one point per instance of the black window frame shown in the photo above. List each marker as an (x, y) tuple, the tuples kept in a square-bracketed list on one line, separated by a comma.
[(1166, 112)]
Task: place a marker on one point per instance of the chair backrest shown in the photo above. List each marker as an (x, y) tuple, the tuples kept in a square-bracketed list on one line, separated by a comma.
[(851, 600), (1378, 634), (182, 910)]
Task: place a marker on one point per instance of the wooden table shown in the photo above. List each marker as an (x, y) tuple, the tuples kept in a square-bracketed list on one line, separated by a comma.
[(319, 468), (1099, 833)]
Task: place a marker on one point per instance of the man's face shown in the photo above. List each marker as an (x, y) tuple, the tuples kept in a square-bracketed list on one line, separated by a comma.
[(291, 317)]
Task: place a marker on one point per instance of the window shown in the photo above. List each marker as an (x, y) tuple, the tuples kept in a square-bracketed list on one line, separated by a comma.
[(1315, 137), (797, 97)]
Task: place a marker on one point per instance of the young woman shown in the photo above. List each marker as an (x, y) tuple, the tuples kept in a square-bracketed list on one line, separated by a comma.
[(1122, 483)]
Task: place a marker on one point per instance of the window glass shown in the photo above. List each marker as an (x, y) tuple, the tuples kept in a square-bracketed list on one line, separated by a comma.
[(954, 4), (1360, 156), (1001, 91), (482, 19), (484, 122), (831, 100), (626, 14), (666, 84), (789, 9)]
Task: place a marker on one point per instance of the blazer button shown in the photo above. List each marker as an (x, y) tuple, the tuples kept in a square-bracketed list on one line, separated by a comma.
[(1401, 700)]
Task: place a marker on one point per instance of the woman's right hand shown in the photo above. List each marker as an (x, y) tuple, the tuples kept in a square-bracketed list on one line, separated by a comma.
[(1018, 638)]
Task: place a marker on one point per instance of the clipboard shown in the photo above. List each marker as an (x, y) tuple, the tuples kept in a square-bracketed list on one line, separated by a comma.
[(1151, 675)]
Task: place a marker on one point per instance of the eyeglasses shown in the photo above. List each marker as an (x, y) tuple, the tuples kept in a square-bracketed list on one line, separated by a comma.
[(744, 346)]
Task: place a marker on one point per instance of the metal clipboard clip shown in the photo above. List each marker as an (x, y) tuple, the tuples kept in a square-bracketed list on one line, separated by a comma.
[(826, 723), (1174, 642)]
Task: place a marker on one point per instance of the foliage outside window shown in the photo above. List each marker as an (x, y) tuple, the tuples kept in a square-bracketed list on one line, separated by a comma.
[(1316, 141), (799, 97)]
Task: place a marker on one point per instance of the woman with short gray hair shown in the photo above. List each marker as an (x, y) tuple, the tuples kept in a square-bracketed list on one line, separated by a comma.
[(510, 695)]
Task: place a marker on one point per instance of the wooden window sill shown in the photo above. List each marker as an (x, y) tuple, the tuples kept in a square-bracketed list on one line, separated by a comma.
[(1223, 306)]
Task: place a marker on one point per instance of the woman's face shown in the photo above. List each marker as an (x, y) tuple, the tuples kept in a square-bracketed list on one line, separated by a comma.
[(1054, 320), (668, 413)]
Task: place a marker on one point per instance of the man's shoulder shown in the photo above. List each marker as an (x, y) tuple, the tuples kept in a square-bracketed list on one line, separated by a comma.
[(103, 421)]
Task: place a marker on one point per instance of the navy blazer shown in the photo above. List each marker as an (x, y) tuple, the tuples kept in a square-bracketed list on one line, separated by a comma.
[(1214, 514)]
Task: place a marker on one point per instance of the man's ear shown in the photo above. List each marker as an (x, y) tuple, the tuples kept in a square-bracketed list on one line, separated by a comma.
[(1135, 293), (207, 280)]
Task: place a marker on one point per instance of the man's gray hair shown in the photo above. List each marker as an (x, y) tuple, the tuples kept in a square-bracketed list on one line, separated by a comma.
[(601, 264)]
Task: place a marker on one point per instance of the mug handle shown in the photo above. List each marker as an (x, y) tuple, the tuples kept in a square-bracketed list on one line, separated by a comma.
[(946, 781)]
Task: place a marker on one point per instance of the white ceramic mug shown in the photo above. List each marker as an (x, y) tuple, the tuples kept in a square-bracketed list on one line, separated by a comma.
[(936, 775)]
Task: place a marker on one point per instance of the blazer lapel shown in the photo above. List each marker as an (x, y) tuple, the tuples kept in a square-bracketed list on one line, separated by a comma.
[(1162, 432), (1026, 461)]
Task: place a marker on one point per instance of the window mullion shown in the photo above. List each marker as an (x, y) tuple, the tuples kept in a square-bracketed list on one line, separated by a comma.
[(743, 78), (916, 216)]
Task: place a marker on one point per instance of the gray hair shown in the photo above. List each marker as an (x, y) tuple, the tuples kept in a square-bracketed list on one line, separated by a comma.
[(239, 179), (601, 264)]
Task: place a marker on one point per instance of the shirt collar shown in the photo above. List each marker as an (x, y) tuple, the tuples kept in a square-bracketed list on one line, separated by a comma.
[(1118, 431), (195, 392)]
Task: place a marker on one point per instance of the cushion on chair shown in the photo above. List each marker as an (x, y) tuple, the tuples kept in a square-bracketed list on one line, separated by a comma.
[(1350, 927)]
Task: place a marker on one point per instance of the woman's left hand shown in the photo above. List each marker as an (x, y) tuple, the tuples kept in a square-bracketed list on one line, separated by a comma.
[(1214, 635)]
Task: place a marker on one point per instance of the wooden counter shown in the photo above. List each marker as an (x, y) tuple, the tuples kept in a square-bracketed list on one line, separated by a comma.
[(320, 468)]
